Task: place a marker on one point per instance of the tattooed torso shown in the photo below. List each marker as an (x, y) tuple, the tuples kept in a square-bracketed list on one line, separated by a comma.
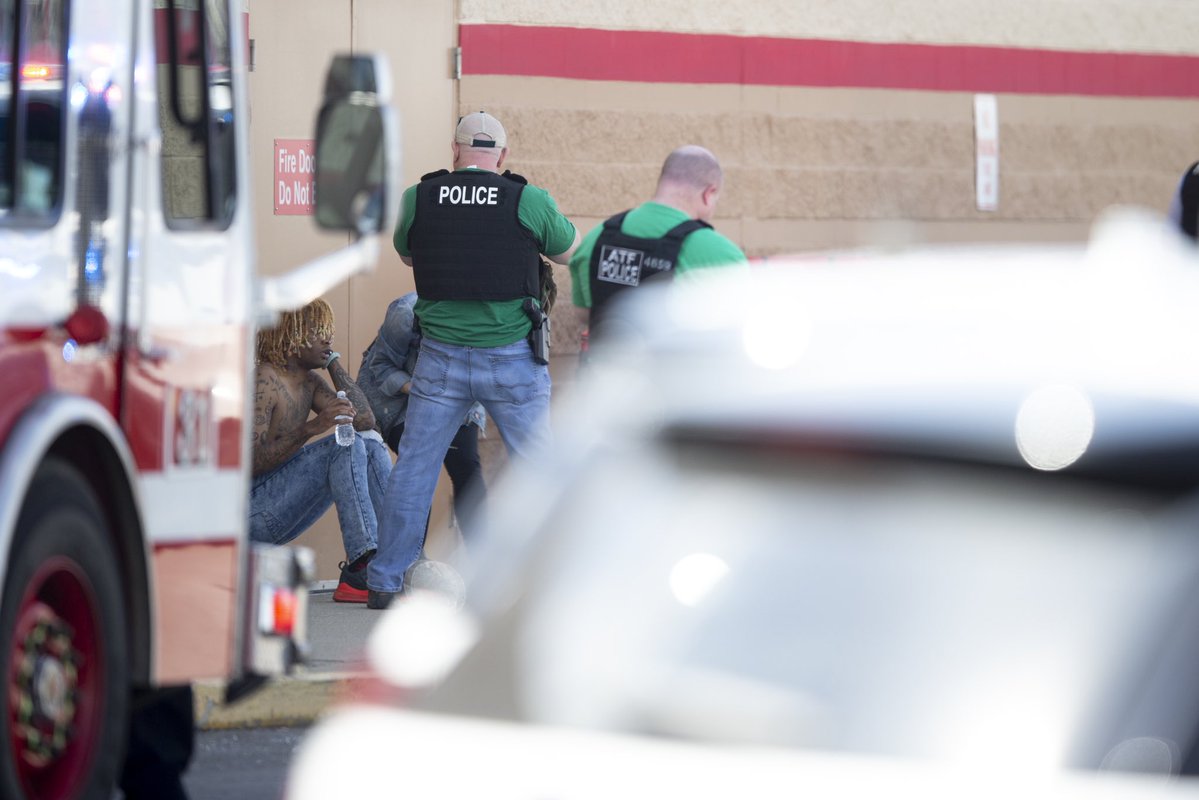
[(282, 404)]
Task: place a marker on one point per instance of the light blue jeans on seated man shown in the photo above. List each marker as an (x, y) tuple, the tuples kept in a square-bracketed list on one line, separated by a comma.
[(286, 501), (447, 379)]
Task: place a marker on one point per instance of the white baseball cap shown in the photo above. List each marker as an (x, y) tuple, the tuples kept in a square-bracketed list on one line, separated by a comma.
[(480, 129)]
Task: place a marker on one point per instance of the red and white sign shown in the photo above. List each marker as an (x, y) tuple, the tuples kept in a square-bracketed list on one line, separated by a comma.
[(986, 152), (295, 170)]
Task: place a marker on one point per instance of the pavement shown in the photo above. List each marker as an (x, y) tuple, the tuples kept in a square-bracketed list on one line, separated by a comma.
[(337, 633)]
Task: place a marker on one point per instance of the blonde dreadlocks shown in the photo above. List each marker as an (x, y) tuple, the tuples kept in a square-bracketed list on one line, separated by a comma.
[(296, 329)]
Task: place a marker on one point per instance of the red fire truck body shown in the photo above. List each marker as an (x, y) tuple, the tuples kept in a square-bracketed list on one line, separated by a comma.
[(129, 303)]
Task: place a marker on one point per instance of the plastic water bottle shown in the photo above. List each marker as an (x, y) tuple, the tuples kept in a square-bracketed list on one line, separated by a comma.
[(345, 426)]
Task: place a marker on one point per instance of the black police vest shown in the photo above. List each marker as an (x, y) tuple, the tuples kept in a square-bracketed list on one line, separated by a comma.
[(466, 239), (620, 261)]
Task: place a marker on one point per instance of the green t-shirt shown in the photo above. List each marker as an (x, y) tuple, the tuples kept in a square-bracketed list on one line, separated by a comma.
[(701, 249), (487, 323)]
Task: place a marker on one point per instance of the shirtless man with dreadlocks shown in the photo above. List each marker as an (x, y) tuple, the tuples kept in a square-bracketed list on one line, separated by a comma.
[(294, 480)]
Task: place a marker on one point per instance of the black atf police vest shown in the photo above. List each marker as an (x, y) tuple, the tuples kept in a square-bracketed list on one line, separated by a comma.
[(620, 261), (466, 239)]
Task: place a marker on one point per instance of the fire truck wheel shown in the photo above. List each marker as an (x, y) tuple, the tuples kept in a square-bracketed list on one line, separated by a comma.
[(62, 646)]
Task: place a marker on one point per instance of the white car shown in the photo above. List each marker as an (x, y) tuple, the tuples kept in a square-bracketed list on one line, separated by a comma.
[(857, 524)]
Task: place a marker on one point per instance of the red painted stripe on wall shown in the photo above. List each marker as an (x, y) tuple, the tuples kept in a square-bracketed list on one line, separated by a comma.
[(658, 57)]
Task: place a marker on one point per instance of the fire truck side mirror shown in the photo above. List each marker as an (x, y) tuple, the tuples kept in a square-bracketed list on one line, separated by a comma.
[(357, 165), (356, 148)]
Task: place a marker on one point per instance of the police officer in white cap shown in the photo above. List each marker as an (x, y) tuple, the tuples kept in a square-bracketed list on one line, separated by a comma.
[(474, 238)]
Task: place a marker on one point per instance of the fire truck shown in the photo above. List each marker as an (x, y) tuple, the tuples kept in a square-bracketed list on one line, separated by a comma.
[(129, 303)]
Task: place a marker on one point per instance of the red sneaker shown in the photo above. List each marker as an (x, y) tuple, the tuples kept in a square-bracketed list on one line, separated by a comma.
[(352, 586)]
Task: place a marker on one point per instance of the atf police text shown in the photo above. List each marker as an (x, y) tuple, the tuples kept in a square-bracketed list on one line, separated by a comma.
[(620, 265)]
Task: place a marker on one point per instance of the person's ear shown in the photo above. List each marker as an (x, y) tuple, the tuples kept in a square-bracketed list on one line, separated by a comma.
[(499, 162), (708, 198), (455, 149)]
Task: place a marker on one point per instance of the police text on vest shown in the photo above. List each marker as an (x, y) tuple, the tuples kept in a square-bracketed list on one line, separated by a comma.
[(469, 195), (620, 265)]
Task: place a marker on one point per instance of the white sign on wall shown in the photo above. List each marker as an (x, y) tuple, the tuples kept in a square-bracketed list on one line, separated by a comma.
[(986, 152)]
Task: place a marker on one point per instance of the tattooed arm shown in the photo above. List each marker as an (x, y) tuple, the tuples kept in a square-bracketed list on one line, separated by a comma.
[(364, 417)]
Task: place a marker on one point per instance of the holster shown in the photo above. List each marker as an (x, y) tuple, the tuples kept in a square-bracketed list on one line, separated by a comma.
[(539, 335)]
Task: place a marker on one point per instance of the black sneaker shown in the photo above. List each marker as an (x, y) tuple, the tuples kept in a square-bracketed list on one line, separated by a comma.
[(379, 600)]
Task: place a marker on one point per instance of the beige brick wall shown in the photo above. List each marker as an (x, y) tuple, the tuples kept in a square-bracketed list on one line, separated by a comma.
[(909, 156), (1147, 26), (818, 168)]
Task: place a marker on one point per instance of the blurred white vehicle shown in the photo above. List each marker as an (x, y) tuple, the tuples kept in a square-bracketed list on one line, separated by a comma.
[(856, 525)]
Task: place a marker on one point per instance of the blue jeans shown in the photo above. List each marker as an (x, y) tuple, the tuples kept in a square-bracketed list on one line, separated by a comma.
[(465, 471), (287, 500), (447, 379)]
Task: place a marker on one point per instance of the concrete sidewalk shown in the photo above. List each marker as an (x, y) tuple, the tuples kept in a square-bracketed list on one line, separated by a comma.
[(337, 633)]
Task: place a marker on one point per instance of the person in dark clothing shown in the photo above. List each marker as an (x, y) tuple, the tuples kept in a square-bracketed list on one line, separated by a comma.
[(161, 741), (1184, 207), (385, 377)]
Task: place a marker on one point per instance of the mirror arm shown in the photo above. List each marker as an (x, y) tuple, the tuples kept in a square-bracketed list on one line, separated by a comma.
[(313, 279), (192, 125)]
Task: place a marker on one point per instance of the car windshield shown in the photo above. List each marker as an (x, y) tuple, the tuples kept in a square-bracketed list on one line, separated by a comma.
[(849, 602)]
